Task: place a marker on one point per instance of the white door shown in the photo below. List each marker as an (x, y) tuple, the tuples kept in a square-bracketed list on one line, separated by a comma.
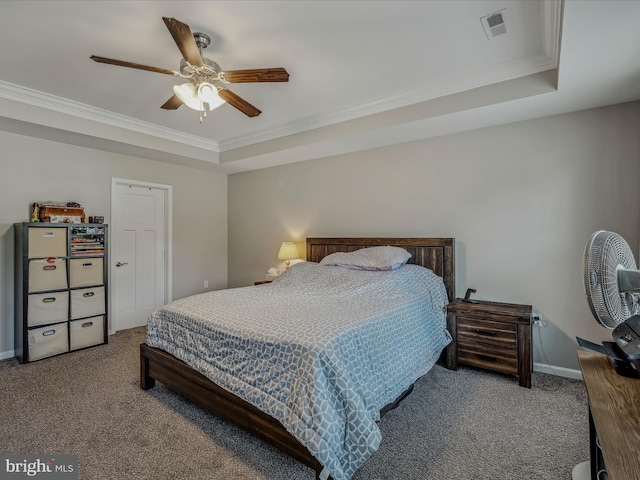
[(140, 251)]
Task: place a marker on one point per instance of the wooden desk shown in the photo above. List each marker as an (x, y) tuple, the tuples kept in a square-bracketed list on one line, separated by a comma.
[(614, 417)]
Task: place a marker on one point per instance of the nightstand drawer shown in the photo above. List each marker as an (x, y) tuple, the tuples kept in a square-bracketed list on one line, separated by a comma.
[(494, 334), (489, 360)]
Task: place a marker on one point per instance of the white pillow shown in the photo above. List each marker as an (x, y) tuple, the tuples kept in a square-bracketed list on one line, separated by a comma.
[(372, 258)]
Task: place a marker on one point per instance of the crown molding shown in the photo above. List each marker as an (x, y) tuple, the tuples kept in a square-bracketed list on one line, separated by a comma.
[(552, 28), (46, 101), (551, 11), (469, 80)]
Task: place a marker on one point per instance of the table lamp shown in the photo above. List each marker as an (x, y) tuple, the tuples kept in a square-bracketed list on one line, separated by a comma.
[(288, 251)]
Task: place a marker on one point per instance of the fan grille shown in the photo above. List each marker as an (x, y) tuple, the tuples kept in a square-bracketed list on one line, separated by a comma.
[(606, 253)]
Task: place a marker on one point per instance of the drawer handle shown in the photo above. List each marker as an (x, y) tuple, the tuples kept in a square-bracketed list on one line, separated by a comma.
[(87, 324), (485, 357), (49, 299), (48, 234), (88, 264), (486, 333), (46, 333), (49, 267), (88, 294)]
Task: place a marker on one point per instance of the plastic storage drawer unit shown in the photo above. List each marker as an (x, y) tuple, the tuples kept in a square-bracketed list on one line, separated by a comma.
[(86, 332), (85, 272), (87, 302), (60, 281), (47, 308), (48, 341), (47, 242), (47, 274)]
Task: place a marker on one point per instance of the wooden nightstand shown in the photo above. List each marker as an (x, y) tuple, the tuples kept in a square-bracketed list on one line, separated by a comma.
[(491, 335)]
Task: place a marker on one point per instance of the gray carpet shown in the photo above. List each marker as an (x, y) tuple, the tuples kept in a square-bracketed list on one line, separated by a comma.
[(467, 424)]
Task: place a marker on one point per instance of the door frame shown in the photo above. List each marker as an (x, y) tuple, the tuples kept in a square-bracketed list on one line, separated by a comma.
[(168, 229)]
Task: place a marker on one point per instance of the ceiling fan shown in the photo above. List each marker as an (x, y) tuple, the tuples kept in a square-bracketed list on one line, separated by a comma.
[(204, 89)]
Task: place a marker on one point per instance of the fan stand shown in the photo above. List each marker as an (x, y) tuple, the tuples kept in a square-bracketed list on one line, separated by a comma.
[(581, 471)]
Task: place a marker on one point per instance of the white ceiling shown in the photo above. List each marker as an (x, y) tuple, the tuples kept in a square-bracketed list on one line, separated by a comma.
[(363, 74)]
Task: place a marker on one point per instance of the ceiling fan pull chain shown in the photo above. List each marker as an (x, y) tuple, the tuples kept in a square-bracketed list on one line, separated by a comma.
[(203, 112)]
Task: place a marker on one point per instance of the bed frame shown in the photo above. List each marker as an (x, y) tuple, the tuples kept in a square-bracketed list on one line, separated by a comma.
[(436, 254)]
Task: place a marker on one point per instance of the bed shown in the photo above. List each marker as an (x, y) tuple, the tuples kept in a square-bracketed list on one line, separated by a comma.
[(180, 336)]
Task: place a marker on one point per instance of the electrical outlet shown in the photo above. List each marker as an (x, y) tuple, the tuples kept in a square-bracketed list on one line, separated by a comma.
[(206, 284), (537, 321)]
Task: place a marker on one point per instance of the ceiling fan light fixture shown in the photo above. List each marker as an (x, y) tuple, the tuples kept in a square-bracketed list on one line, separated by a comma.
[(187, 95), (208, 93)]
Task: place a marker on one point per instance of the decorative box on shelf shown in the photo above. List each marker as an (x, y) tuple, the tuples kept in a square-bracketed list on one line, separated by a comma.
[(59, 214)]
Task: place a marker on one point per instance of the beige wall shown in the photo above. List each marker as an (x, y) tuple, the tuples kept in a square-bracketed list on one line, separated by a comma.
[(32, 169), (520, 199)]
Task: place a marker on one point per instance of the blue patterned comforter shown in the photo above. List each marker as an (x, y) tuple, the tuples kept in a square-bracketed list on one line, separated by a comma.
[(322, 349)]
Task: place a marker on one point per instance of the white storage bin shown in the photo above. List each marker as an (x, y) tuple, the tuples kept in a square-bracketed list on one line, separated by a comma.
[(86, 332), (84, 272), (44, 308), (48, 274), (47, 242), (48, 341), (87, 302)]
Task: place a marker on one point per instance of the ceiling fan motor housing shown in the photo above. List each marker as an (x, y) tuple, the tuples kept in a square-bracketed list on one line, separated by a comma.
[(208, 72), (202, 40)]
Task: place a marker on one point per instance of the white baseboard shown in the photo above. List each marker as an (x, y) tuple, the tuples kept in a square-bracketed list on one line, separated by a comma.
[(537, 367), (9, 354), (559, 371)]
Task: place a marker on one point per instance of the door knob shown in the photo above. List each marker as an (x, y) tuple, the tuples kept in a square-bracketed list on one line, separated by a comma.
[(119, 264)]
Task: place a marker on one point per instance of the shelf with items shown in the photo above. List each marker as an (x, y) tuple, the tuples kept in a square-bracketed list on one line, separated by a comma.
[(61, 300), (87, 240)]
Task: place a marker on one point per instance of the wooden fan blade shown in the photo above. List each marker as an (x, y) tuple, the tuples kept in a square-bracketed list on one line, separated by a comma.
[(183, 37), (257, 75), (120, 63), (239, 103), (172, 104)]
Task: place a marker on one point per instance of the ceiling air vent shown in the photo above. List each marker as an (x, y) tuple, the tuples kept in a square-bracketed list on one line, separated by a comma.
[(495, 24)]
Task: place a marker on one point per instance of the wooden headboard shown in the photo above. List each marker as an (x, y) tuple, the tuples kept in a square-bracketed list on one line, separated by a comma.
[(436, 254)]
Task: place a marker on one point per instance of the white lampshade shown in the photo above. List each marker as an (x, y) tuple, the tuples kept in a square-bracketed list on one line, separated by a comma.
[(187, 94), (196, 98), (288, 251), (206, 92)]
